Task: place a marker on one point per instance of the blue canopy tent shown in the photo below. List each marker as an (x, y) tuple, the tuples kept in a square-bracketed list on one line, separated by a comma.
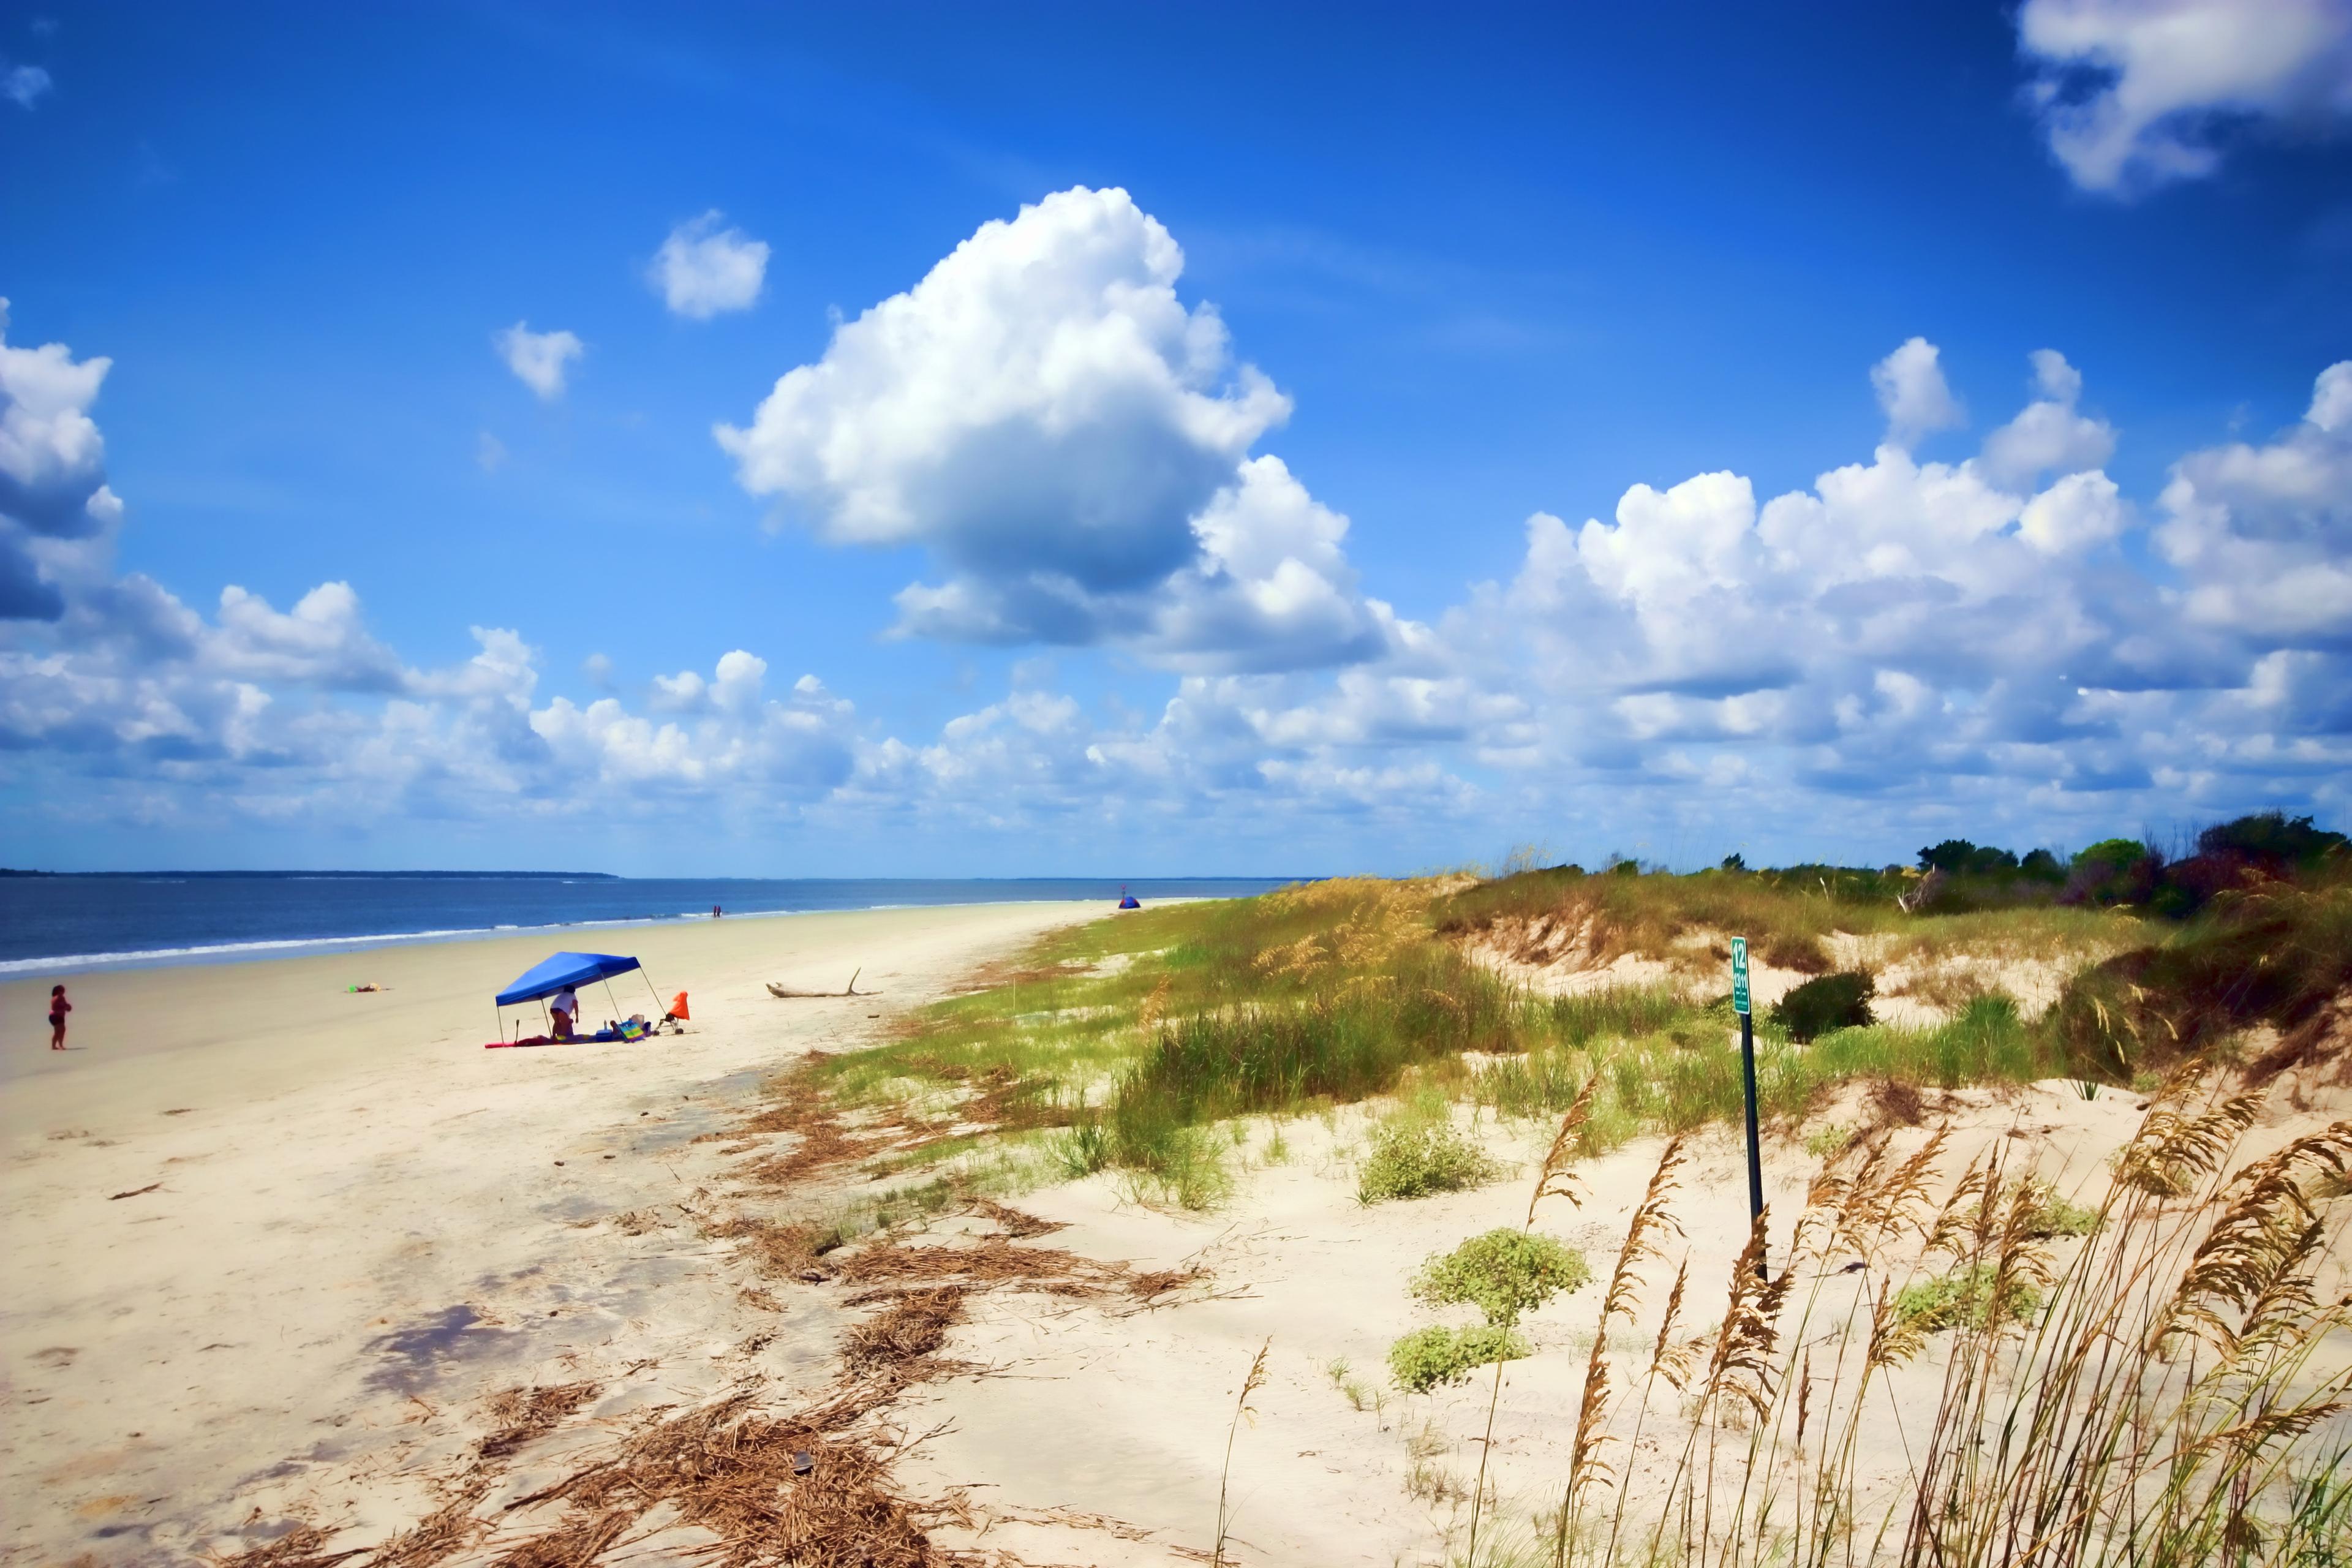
[(568, 970)]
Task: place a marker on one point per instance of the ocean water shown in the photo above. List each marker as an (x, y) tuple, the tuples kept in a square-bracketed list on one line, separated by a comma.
[(58, 924)]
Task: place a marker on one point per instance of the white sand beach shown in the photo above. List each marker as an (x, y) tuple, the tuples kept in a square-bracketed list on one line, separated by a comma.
[(257, 1227)]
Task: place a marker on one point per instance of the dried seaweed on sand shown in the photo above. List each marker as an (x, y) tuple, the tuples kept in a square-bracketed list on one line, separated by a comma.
[(300, 1547), (995, 1260), (1018, 1223), (523, 1413), (1158, 1282), (794, 1250), (911, 1328), (441, 1534), (730, 1470)]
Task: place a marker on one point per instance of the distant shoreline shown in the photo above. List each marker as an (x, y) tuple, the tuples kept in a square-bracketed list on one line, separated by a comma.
[(314, 946), (339, 876), (614, 877), (57, 926)]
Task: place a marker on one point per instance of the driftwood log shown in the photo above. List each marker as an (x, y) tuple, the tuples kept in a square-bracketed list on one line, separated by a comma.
[(787, 994)]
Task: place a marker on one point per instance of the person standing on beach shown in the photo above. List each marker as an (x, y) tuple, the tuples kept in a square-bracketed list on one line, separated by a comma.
[(58, 1008), (566, 1008)]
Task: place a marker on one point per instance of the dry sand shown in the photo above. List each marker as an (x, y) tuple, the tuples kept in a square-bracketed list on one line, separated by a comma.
[(1126, 1417), (360, 1226), (338, 1213)]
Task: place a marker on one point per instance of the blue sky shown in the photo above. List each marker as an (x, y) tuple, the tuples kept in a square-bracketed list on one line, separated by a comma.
[(1243, 469)]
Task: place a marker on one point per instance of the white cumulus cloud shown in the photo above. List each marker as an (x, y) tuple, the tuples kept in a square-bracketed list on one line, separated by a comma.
[(52, 467), (2262, 534), (2003, 645), (704, 268), (2048, 436), (1068, 442), (2136, 93), (538, 359)]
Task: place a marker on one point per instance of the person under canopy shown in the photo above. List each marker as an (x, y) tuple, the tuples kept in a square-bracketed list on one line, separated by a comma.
[(556, 982)]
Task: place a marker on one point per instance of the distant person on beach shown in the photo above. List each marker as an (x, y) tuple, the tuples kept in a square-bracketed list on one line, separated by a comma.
[(58, 1008), (566, 1008), (714, 911)]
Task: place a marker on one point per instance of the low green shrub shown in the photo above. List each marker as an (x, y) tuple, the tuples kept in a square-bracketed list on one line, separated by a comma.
[(1503, 1273), (1828, 1138), (1964, 1298), (1427, 1357), (1840, 1001), (1412, 1156), (2055, 1217), (1185, 1165), (1082, 1148)]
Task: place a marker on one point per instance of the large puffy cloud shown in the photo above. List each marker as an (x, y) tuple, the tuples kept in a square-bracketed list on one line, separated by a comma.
[(705, 268), (2135, 93), (1068, 443), (1040, 402)]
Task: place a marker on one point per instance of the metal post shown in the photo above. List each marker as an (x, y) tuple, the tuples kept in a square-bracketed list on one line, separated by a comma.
[(1739, 1005), (1755, 1163)]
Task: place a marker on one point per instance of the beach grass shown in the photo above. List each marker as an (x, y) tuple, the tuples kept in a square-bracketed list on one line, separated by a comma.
[(1126, 1039), (2156, 1381), (2160, 1383)]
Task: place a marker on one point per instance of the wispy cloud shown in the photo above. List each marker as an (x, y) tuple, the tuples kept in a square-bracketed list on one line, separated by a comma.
[(23, 85), (538, 359)]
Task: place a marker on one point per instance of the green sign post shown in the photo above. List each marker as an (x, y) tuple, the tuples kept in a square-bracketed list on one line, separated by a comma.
[(1748, 1073)]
